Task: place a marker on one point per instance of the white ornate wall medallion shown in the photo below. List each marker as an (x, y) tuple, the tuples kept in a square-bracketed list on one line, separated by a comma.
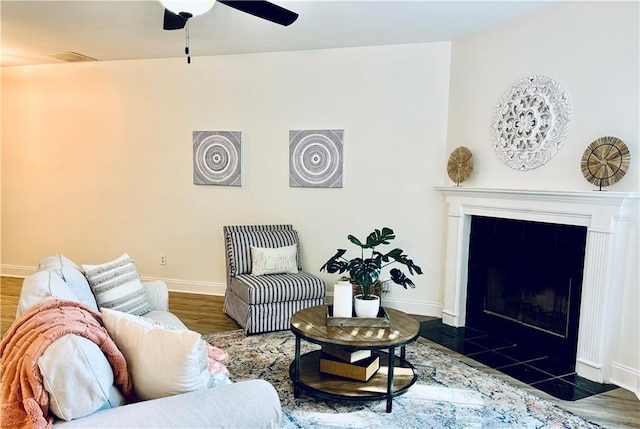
[(531, 122), (217, 158), (315, 158)]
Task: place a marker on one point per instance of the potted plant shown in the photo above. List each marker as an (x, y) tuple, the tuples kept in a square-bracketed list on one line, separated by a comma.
[(365, 272)]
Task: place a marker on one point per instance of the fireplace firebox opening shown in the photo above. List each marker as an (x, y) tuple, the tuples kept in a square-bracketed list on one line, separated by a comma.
[(525, 283)]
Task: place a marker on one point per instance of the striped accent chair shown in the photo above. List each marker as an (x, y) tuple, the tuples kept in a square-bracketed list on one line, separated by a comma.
[(264, 303)]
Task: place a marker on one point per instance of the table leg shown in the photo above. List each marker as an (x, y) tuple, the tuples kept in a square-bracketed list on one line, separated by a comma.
[(402, 354), (296, 370), (392, 359)]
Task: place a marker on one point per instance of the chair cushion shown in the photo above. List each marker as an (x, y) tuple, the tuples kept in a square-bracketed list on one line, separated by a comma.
[(273, 316), (240, 239), (277, 287)]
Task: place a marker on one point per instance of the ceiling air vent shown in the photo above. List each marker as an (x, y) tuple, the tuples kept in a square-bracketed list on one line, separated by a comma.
[(72, 57)]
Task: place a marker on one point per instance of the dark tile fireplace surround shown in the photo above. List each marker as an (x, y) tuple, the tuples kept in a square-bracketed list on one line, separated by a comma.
[(526, 275)]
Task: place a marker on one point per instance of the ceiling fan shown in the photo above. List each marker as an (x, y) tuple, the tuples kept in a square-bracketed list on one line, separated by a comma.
[(178, 12)]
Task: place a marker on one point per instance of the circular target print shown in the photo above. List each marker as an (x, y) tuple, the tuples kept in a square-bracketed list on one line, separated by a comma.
[(316, 158), (217, 158)]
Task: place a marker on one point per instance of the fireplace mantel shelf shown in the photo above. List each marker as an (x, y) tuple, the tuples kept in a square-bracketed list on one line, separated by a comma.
[(593, 197)]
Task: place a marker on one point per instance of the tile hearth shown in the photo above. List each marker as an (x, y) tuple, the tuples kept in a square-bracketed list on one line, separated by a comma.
[(530, 367)]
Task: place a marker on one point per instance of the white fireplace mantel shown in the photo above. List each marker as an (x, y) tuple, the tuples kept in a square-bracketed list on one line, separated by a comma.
[(604, 214)]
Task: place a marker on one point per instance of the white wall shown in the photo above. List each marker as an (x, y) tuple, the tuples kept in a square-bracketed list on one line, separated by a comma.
[(98, 159), (592, 50)]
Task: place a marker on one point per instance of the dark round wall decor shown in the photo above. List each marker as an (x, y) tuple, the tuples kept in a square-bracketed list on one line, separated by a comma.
[(605, 161)]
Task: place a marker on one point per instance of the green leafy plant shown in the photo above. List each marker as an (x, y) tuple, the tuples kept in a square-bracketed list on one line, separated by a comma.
[(365, 272)]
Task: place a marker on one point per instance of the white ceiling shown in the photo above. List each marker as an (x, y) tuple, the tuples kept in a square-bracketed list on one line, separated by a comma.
[(32, 30)]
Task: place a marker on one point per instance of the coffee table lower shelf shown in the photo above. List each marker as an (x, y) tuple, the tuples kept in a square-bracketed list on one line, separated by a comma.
[(328, 386)]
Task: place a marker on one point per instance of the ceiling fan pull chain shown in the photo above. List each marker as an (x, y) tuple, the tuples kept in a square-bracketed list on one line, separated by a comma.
[(186, 48)]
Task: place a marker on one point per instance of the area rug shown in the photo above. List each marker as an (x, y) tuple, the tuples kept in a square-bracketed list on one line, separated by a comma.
[(448, 393)]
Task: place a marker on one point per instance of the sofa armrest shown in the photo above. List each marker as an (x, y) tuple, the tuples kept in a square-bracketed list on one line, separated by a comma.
[(245, 404), (158, 294)]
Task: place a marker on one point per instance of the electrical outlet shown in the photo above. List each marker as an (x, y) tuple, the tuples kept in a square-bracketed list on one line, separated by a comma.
[(386, 286), (163, 259)]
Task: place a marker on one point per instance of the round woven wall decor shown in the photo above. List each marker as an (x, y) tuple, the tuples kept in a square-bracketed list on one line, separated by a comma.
[(459, 166), (605, 161)]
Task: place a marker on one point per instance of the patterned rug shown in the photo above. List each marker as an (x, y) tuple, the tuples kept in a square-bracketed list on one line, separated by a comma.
[(448, 393)]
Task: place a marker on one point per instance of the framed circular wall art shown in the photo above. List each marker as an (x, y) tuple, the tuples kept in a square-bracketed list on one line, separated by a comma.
[(217, 158), (530, 123), (605, 161)]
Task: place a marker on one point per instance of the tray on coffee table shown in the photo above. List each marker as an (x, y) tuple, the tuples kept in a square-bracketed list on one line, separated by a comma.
[(381, 321)]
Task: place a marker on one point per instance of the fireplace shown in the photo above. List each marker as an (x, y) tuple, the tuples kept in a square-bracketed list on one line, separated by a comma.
[(602, 216), (525, 282)]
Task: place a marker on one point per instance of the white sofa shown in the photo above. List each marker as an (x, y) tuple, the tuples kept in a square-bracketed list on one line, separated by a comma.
[(224, 406)]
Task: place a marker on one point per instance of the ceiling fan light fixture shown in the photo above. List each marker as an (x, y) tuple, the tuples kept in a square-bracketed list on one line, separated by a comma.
[(193, 7)]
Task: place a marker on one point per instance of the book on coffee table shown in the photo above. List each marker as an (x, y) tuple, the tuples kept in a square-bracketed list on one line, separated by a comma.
[(361, 370), (349, 356)]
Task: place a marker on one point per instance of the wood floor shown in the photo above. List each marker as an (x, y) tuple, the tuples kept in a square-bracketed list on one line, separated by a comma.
[(618, 408)]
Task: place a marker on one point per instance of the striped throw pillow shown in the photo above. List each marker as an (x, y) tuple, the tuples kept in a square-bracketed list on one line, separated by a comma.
[(116, 285)]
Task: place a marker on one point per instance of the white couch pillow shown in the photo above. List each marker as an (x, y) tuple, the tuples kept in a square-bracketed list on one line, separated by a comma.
[(72, 274), (56, 262), (162, 362), (115, 399), (116, 285), (78, 378), (43, 286), (276, 260)]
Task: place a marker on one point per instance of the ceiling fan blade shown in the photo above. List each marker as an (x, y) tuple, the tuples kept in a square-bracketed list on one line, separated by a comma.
[(173, 21), (263, 9)]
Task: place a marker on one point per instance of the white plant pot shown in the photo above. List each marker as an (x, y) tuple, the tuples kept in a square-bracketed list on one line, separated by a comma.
[(366, 307)]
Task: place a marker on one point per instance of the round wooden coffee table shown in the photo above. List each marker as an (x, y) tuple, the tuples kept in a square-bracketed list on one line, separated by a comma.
[(394, 377)]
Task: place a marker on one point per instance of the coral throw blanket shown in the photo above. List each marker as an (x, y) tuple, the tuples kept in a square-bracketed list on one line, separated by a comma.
[(23, 400)]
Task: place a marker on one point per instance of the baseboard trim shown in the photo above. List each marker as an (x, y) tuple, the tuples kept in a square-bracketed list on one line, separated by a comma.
[(590, 370), (449, 318), (20, 271), (432, 309), (190, 286), (174, 285), (625, 377)]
